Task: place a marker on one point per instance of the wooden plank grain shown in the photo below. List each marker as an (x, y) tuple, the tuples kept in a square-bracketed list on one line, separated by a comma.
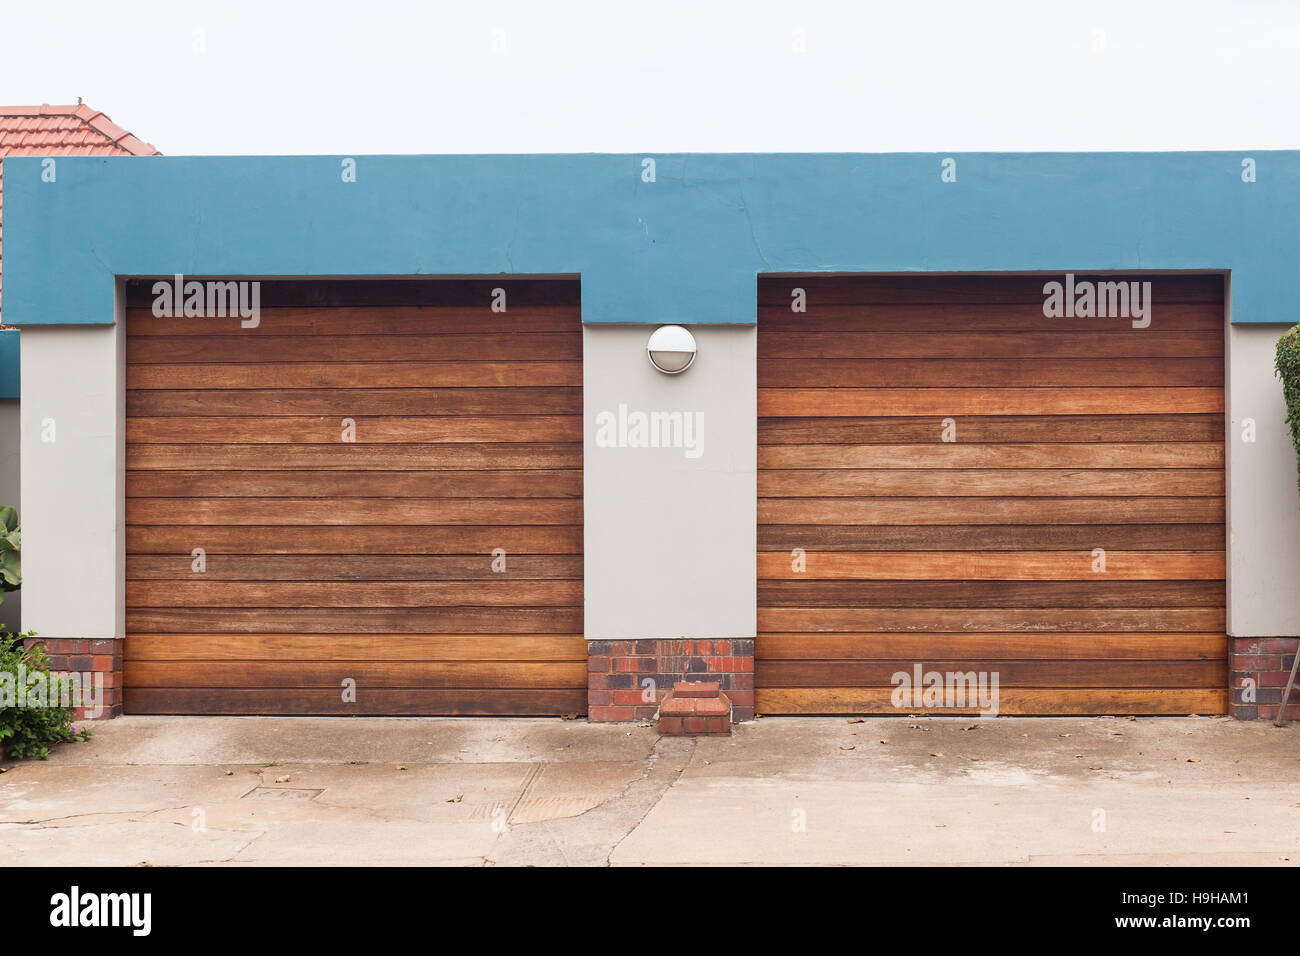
[(360, 429), (1083, 344), (990, 619), (224, 376), (1008, 645), (354, 402), (345, 456), (519, 483), (990, 594), (378, 702), (366, 320), (991, 373), (344, 646), (995, 566), (179, 540), (366, 594), (361, 620), (369, 675), (969, 316), (253, 347), (1139, 455), (946, 402), (995, 537), (1037, 673), (352, 511), (990, 482), (969, 511), (1015, 701), (357, 567), (991, 429)]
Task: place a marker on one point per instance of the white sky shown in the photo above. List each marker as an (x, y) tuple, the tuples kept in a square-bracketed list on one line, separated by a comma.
[(241, 77)]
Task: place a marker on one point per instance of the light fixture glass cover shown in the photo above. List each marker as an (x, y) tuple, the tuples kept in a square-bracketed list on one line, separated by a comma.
[(671, 349)]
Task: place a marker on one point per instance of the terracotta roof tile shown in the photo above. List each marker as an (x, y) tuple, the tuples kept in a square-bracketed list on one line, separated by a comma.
[(62, 131)]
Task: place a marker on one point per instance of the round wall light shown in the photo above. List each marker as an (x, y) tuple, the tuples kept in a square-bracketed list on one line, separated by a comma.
[(671, 349)]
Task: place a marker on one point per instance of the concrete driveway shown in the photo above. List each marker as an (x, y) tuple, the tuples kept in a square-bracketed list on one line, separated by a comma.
[(921, 791)]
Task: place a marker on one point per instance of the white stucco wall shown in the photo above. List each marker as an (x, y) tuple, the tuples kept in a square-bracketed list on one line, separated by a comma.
[(671, 541), (10, 494), (73, 505), (1263, 498)]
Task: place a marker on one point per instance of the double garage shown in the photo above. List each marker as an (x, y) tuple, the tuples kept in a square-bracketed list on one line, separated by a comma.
[(372, 502)]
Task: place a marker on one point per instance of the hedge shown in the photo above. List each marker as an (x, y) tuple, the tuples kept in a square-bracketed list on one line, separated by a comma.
[(1288, 369)]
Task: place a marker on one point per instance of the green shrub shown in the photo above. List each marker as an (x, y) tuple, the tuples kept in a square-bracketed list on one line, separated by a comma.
[(11, 551), (29, 731), (1288, 369)]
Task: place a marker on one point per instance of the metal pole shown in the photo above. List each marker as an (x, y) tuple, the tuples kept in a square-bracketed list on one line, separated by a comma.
[(1286, 696)]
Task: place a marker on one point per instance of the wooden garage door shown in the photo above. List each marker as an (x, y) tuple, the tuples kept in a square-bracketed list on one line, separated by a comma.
[(978, 554), (371, 559)]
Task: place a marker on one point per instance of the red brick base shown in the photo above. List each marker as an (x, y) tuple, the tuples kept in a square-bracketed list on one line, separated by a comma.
[(82, 656), (617, 672), (1267, 662)]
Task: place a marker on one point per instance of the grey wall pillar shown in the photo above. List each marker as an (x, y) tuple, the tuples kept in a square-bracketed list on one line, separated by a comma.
[(73, 446), (1263, 499), (671, 532)]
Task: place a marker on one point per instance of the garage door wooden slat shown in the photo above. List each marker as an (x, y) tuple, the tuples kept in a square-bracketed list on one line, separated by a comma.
[(336, 402), (961, 318), (1138, 343), (366, 647), (365, 320), (352, 511), (342, 456), (991, 619), (851, 511), (355, 375), (254, 347), (996, 537), (986, 593), (355, 567), (884, 543), (369, 675), (1135, 646), (432, 554), (991, 373), (550, 483), (986, 401), (377, 702), (939, 454), (493, 622), (383, 594), (366, 429), (180, 540), (993, 429), (1041, 673), (994, 566), (1014, 701), (991, 482)]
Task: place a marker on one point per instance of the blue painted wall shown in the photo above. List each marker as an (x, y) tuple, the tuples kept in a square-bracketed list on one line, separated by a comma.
[(685, 248), (9, 363)]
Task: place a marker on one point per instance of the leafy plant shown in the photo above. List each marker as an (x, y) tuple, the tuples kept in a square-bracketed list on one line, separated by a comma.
[(1288, 369), (29, 731), (11, 550)]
